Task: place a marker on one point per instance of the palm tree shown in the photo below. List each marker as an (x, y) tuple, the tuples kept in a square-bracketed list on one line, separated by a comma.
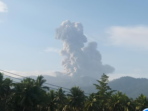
[(5, 92), (92, 104), (120, 102), (26, 94), (127, 103), (40, 81), (60, 98), (2, 88), (77, 99), (141, 102), (50, 101), (114, 102), (8, 91)]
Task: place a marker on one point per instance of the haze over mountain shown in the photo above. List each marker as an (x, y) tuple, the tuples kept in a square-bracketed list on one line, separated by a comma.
[(133, 87)]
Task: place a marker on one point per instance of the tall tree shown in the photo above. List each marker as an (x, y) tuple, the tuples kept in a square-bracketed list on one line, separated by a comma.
[(77, 99), (104, 92), (92, 104), (5, 92), (120, 102), (26, 94), (40, 81), (141, 102), (60, 99), (51, 103)]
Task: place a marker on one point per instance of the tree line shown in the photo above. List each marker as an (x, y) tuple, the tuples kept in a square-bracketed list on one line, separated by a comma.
[(32, 95)]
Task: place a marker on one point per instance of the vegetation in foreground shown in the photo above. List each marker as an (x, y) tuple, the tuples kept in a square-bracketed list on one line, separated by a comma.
[(33, 95)]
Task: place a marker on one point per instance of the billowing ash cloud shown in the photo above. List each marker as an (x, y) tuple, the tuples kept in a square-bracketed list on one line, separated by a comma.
[(79, 60)]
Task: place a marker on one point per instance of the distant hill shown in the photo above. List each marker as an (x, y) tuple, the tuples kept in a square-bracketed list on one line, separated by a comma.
[(133, 87)]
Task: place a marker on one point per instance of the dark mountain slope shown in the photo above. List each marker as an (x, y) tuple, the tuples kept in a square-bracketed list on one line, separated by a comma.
[(133, 87)]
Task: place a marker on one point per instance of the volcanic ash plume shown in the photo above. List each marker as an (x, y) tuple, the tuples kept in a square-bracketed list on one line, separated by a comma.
[(79, 60)]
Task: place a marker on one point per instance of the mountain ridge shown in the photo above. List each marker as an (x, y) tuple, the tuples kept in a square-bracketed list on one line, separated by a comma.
[(131, 86)]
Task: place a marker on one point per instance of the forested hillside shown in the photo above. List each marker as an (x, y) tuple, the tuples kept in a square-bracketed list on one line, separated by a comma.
[(133, 87)]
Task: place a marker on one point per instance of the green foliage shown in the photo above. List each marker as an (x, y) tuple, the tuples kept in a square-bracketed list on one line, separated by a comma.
[(92, 103), (33, 95), (76, 98), (104, 92), (141, 102)]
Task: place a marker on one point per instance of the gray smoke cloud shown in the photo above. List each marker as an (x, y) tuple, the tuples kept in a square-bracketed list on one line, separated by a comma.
[(79, 60)]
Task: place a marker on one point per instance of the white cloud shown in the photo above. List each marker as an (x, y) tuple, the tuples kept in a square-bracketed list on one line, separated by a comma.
[(51, 49), (3, 7), (136, 36)]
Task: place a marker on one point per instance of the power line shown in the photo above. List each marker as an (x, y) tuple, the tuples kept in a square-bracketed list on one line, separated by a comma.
[(12, 77), (32, 79), (21, 79), (49, 87)]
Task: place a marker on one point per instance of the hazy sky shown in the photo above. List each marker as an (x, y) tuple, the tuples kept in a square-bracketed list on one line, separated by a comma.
[(27, 34)]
